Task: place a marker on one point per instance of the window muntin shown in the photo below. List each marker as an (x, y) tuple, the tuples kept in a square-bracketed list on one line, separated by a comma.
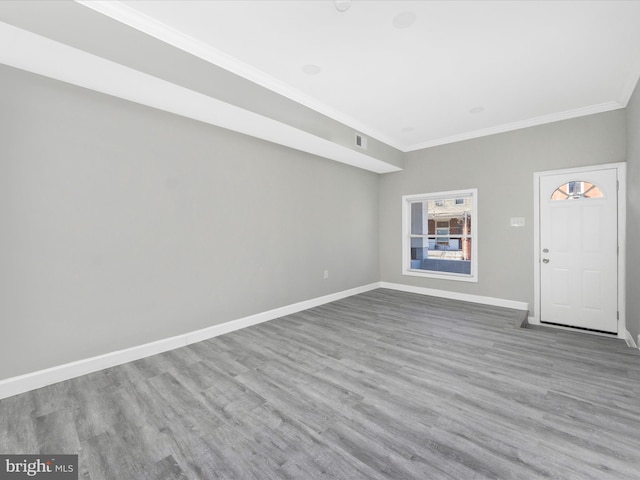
[(440, 235), (576, 189)]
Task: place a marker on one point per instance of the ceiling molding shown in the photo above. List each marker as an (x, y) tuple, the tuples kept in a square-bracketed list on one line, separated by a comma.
[(41, 55), (630, 86), (531, 122), (159, 30), (120, 13)]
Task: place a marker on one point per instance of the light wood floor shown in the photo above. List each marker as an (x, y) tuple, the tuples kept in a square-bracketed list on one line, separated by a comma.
[(383, 385)]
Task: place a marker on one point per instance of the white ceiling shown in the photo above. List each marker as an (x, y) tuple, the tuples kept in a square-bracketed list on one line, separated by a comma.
[(462, 69)]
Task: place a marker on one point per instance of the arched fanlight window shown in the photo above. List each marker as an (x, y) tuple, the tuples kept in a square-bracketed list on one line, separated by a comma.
[(575, 190)]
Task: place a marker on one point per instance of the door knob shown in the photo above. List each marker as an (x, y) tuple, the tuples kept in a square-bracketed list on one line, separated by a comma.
[(545, 260)]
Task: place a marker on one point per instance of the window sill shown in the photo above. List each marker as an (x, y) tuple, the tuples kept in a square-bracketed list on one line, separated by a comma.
[(458, 277)]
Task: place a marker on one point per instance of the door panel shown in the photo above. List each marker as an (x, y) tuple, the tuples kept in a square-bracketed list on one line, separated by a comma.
[(560, 283), (560, 225), (592, 290), (591, 223), (578, 230)]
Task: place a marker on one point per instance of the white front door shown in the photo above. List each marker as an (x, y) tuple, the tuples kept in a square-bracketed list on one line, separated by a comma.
[(578, 249)]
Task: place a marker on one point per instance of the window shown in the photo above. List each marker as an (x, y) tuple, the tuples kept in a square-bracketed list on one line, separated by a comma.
[(575, 190), (440, 235)]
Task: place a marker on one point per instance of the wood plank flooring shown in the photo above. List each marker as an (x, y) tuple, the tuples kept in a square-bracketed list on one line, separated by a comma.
[(383, 385)]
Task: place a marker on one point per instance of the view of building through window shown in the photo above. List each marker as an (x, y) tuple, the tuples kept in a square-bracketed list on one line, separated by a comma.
[(440, 234), (575, 190)]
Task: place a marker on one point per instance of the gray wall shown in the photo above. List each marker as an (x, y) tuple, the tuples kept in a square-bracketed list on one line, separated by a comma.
[(122, 224), (501, 167), (633, 214)]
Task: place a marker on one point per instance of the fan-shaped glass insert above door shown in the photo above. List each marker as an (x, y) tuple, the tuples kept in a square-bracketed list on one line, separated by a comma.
[(575, 190)]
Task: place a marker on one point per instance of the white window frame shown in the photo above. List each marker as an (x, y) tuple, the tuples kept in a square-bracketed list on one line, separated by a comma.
[(407, 200)]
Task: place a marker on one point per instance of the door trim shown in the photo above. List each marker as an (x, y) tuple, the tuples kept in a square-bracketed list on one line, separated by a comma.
[(621, 168)]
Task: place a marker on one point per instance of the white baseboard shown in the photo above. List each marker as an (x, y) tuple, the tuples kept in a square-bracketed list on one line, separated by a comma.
[(30, 381), (466, 297), (41, 378), (533, 321), (629, 339), (215, 330)]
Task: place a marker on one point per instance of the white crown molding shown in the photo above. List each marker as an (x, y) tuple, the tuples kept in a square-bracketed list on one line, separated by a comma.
[(163, 32), (531, 122), (135, 19), (41, 378), (37, 54), (630, 86), (146, 24)]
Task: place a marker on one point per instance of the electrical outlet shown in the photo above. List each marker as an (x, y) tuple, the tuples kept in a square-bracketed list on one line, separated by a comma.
[(517, 222), (326, 274)]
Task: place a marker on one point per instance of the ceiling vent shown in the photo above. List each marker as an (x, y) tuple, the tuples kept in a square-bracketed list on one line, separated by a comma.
[(361, 141)]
